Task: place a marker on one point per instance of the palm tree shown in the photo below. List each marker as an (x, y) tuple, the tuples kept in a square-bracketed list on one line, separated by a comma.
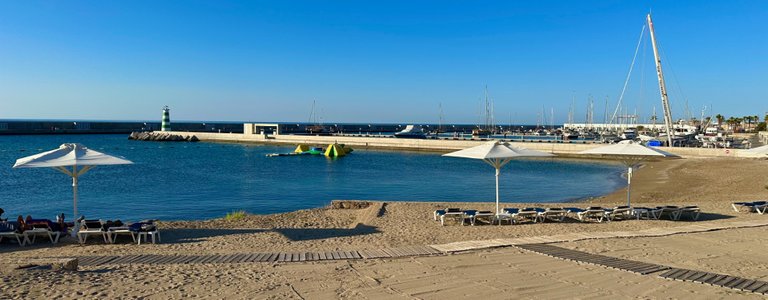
[(748, 119), (720, 119)]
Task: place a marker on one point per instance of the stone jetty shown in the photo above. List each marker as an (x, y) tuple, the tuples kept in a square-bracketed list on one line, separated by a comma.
[(161, 137)]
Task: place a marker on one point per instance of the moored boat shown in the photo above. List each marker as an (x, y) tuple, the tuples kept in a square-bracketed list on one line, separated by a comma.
[(411, 132)]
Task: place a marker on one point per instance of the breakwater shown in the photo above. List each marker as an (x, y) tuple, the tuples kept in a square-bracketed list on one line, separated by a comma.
[(10, 127), (160, 136), (19, 127), (562, 148)]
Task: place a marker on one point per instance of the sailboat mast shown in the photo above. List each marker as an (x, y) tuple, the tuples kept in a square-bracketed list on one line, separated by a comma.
[(440, 119), (662, 85)]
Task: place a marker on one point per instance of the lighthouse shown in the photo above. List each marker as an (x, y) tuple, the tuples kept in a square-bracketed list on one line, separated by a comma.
[(166, 124)]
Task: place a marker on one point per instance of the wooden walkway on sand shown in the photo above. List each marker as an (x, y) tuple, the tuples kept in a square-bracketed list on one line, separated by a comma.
[(268, 257), (642, 268)]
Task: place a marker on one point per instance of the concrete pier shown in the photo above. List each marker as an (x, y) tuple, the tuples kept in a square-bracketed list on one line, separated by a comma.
[(563, 148)]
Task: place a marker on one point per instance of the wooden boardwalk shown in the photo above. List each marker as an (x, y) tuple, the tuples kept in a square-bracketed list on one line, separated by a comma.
[(642, 268), (588, 258), (269, 257), (714, 279)]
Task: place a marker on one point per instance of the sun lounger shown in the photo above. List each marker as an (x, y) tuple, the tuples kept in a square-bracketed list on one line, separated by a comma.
[(592, 213), (527, 214), (671, 211), (91, 227), (645, 212), (618, 213), (758, 206), (507, 214), (13, 231), (145, 229), (474, 215), (43, 227), (441, 212), (691, 211), (452, 213), (553, 214), (761, 208), (113, 232)]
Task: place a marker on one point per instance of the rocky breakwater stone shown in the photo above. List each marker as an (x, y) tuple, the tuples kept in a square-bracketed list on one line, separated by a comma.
[(349, 204), (161, 137)]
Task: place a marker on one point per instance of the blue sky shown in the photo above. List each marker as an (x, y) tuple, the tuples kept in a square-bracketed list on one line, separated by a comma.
[(366, 61)]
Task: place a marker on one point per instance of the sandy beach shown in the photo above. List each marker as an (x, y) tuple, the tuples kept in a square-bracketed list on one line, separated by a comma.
[(502, 273)]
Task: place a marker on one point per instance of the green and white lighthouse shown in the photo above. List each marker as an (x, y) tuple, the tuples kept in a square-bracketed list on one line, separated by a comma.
[(166, 124)]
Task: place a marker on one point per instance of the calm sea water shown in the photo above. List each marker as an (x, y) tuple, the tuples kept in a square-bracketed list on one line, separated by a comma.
[(192, 181)]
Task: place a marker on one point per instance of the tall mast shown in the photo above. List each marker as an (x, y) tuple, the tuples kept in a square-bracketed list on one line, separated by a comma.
[(440, 119), (662, 85)]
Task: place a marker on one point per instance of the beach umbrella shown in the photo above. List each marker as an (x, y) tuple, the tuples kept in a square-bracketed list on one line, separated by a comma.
[(631, 154), (71, 159), (497, 154)]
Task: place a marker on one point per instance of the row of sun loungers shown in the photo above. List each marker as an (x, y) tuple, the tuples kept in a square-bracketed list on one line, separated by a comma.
[(110, 230), (589, 214), (25, 231)]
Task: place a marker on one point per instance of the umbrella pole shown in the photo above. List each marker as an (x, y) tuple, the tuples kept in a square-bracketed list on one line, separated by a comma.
[(629, 184), (497, 191), (74, 194)]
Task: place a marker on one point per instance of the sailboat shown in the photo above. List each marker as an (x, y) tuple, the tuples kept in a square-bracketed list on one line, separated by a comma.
[(488, 128), (315, 127)]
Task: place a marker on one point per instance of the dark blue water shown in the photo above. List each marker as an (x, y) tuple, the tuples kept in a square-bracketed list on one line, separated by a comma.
[(192, 181)]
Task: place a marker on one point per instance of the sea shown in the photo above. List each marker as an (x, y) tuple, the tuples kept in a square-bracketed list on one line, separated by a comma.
[(197, 181)]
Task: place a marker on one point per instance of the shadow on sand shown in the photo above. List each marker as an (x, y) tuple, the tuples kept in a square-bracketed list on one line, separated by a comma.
[(305, 234), (189, 235), (183, 236)]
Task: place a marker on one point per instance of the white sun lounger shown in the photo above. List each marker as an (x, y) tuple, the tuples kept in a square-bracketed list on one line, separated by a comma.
[(473, 216), (92, 227), (594, 213), (553, 214), (692, 211), (113, 232), (451, 213), (758, 206), (673, 212), (13, 235), (41, 231), (526, 214), (645, 212), (618, 213)]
